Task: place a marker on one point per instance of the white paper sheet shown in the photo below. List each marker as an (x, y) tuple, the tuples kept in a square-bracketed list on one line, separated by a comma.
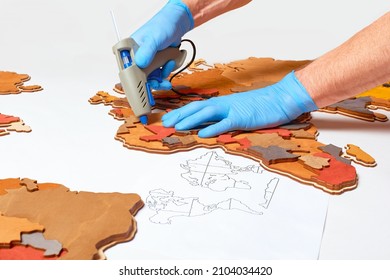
[(206, 204)]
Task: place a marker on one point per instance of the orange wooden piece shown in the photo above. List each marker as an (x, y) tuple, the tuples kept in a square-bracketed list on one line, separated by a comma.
[(12, 83)]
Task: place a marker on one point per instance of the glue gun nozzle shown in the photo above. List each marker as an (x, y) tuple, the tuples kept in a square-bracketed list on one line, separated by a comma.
[(144, 119)]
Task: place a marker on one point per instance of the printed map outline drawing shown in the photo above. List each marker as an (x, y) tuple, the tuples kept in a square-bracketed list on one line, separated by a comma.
[(221, 186)]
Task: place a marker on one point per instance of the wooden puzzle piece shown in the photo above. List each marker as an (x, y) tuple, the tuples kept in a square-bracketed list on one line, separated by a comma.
[(356, 154), (11, 123), (85, 223), (297, 126), (9, 184), (336, 173), (272, 154), (3, 132), (301, 133), (336, 152), (13, 83), (356, 108), (102, 97), (21, 252), (314, 161), (201, 92), (285, 133), (38, 241), (19, 127), (246, 72), (12, 227), (245, 143), (31, 185), (273, 139), (381, 92), (199, 65), (6, 120), (160, 132)]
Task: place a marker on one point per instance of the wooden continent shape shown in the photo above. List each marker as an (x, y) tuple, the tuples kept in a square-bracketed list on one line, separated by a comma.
[(85, 223), (13, 83), (292, 141)]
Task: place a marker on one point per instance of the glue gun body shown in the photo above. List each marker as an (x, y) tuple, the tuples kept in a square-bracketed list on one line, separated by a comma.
[(134, 80)]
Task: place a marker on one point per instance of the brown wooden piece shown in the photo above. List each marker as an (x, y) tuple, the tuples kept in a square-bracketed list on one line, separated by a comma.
[(31, 185), (314, 161), (85, 223), (272, 154)]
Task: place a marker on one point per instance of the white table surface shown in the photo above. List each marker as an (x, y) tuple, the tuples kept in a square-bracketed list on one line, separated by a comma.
[(66, 47)]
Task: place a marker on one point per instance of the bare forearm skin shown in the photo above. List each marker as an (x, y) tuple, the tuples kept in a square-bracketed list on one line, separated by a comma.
[(205, 10), (357, 65)]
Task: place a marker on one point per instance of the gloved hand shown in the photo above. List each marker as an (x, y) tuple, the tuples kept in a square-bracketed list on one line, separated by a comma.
[(262, 108), (163, 30)]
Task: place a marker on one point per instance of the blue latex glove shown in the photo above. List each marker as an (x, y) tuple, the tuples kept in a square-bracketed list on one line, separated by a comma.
[(267, 107), (163, 30)]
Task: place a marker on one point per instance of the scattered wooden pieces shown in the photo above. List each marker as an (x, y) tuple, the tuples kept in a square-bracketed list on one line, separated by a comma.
[(296, 140)]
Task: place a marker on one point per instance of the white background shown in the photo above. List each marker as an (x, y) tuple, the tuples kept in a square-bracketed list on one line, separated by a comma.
[(65, 46)]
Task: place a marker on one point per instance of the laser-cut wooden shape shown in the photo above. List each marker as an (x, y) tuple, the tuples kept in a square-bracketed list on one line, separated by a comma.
[(273, 154), (357, 108), (13, 83), (12, 227), (85, 223), (336, 152), (21, 252), (356, 154), (314, 161), (37, 240)]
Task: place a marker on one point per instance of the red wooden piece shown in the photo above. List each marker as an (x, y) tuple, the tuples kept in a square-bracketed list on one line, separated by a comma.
[(228, 139), (159, 131), (337, 173), (21, 252), (285, 133), (4, 119)]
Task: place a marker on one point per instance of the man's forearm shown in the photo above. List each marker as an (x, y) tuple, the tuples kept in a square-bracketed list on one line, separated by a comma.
[(359, 64), (205, 10)]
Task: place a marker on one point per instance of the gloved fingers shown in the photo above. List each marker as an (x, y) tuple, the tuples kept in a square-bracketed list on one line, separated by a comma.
[(206, 114), (164, 85), (223, 126), (167, 69), (173, 117), (146, 52)]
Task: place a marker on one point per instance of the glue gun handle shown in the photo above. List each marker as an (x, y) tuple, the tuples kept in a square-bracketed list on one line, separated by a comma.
[(162, 57)]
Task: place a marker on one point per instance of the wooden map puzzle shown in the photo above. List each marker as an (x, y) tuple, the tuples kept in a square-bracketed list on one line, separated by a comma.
[(291, 150), (13, 83), (49, 221)]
